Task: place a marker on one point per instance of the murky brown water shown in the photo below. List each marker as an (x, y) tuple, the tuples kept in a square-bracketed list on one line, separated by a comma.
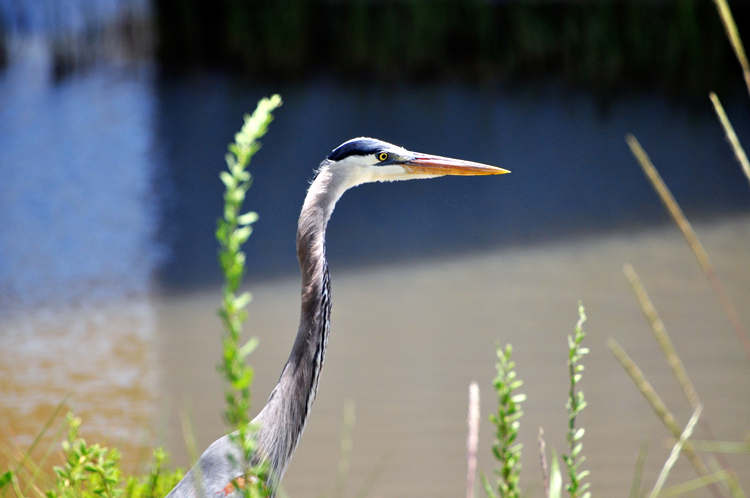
[(405, 344)]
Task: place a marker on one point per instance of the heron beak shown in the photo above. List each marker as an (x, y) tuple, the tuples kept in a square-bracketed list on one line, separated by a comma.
[(422, 164)]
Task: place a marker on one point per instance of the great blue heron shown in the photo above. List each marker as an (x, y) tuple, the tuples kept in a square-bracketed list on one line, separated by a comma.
[(282, 420)]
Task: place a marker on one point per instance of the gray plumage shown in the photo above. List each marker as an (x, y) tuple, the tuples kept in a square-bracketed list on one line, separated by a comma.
[(283, 419)]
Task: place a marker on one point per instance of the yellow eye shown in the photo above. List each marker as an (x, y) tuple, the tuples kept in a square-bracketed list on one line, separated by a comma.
[(382, 156)]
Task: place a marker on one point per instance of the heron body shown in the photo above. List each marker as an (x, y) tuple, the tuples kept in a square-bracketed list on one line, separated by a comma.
[(282, 420)]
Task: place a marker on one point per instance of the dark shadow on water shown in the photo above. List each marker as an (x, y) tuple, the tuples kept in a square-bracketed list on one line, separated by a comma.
[(572, 172)]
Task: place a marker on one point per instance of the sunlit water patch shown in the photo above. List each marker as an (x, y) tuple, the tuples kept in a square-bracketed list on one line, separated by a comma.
[(77, 250), (99, 358)]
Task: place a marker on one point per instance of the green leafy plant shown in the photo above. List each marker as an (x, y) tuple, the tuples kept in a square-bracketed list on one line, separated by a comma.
[(88, 469), (157, 483), (575, 404), (91, 471), (233, 230), (506, 422)]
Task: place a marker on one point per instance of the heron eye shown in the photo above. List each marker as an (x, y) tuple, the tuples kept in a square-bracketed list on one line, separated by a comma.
[(382, 156)]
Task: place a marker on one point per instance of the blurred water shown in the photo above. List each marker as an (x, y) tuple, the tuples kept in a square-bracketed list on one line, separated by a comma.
[(66, 16), (77, 249), (572, 171), (407, 339), (76, 200), (108, 274)]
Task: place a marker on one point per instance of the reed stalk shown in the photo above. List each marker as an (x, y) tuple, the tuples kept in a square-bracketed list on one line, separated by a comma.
[(676, 452), (739, 152), (346, 447), (670, 353), (726, 475), (640, 463), (692, 239), (725, 13), (472, 439), (660, 332), (543, 461), (659, 407)]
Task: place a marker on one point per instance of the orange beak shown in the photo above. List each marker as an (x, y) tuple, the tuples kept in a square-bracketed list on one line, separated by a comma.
[(438, 165)]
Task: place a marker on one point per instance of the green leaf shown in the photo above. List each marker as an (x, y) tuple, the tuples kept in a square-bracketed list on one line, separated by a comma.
[(242, 300), (516, 384), (518, 398), (247, 218), (486, 485), (576, 450), (244, 381), (516, 449), (242, 234), (228, 180), (5, 478), (249, 346)]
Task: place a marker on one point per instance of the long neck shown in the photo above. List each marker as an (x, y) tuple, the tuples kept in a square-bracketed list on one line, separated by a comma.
[(284, 416)]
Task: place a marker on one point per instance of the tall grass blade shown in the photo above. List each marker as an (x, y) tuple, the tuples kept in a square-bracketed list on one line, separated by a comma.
[(730, 447), (38, 470), (25, 463), (725, 13), (657, 405), (660, 332), (676, 452), (369, 483), (472, 439), (739, 152), (640, 463), (701, 482), (16, 486), (345, 455), (192, 449), (692, 240), (45, 428), (555, 477)]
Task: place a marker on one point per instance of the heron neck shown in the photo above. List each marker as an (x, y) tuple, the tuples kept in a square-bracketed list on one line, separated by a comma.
[(283, 419)]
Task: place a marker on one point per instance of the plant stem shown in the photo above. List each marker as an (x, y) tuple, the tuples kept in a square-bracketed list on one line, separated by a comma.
[(233, 230)]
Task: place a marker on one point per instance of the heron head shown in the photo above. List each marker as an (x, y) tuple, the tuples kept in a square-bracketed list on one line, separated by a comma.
[(369, 160)]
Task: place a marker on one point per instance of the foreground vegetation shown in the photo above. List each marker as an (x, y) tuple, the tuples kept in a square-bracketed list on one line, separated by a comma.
[(507, 420), (90, 471)]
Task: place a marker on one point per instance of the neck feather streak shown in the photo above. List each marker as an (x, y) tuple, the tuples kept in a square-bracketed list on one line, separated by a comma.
[(284, 416)]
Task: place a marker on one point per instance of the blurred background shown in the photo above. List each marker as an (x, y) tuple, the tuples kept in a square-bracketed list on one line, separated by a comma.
[(114, 120)]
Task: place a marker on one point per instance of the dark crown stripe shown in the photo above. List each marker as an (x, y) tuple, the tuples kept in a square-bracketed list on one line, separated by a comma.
[(356, 147)]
